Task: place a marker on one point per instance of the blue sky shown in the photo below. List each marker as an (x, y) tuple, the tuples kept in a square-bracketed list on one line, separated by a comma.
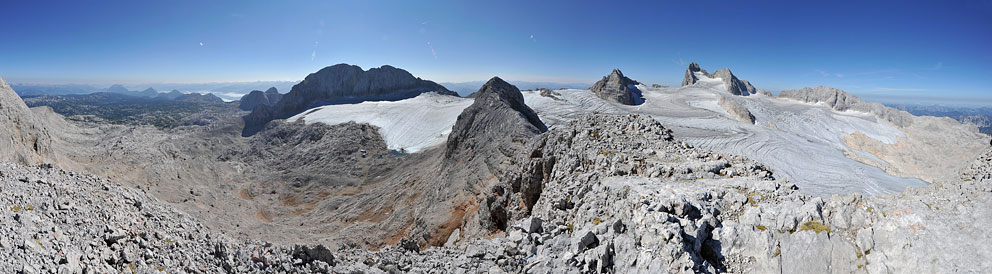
[(898, 49)]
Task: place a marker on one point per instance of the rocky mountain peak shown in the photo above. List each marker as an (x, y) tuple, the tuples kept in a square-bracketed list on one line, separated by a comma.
[(734, 86), (498, 114), (273, 95), (690, 74), (503, 91), (252, 99), (117, 89), (618, 88), (693, 67), (3, 84)]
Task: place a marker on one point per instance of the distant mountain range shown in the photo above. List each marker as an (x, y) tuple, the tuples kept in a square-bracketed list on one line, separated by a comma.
[(981, 117), (229, 91), (466, 88)]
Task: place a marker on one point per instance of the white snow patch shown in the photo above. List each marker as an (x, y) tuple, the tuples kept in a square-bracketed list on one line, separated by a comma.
[(412, 124)]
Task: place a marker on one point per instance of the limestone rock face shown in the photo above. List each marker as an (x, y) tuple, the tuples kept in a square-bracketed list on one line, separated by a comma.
[(690, 74), (618, 88), (273, 95), (257, 119), (252, 99), (348, 83), (23, 139), (734, 86)]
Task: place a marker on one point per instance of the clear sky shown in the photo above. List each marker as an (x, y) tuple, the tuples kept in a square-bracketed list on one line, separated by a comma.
[(938, 49)]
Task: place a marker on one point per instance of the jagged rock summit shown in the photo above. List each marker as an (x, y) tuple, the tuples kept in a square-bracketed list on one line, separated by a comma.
[(498, 112), (734, 86), (23, 139), (618, 88), (343, 83)]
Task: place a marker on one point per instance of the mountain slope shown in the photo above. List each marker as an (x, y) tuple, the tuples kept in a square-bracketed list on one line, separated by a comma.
[(23, 139)]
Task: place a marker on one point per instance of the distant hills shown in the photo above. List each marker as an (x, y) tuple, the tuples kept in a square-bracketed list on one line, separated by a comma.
[(981, 117), (228, 91)]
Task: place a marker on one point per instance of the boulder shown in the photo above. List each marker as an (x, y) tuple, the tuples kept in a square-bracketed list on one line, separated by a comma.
[(738, 112)]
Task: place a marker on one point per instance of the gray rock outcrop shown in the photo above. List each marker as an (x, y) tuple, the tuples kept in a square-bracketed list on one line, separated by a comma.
[(734, 86), (343, 83), (618, 88), (736, 110)]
